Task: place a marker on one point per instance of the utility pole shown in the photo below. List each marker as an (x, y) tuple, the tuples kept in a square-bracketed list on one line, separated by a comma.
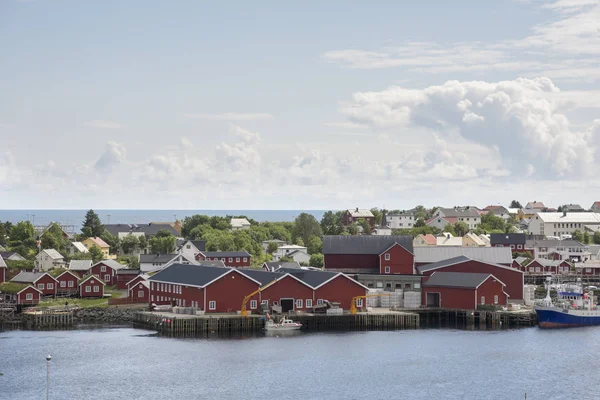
[(48, 358)]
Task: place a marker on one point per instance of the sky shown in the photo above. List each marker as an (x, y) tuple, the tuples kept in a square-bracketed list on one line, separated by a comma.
[(298, 105)]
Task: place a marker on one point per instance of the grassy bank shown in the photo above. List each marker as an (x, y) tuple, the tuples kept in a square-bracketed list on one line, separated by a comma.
[(84, 303)]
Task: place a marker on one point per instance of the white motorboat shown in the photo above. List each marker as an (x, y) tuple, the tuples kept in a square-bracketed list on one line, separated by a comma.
[(283, 325)]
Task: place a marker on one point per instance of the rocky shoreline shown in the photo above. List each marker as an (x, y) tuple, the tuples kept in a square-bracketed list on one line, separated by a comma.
[(111, 315)]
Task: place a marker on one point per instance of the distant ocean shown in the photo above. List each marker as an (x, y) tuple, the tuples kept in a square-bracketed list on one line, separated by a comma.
[(75, 217)]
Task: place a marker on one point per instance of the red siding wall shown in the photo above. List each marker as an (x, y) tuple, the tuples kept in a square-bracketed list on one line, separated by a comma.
[(340, 289), (351, 261), (122, 279), (91, 283), (489, 289), (112, 276), (287, 288), (136, 290), (451, 297), (229, 291), (46, 279), (66, 278), (401, 261), (135, 280), (2, 274), (594, 271), (22, 297), (512, 278), (168, 295)]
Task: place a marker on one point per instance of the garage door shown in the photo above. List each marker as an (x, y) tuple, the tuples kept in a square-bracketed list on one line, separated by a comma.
[(433, 299)]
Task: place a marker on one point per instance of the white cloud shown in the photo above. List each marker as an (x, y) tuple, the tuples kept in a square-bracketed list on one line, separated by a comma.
[(231, 116), (101, 124), (344, 125), (112, 157)]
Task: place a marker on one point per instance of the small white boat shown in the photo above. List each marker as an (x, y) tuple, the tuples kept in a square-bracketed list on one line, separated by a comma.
[(283, 325)]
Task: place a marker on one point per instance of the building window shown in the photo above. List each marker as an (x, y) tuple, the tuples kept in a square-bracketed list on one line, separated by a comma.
[(417, 285), (96, 289), (245, 259), (106, 278), (212, 305), (512, 246), (71, 283), (299, 303), (223, 259), (40, 286), (519, 246), (308, 303), (265, 302), (88, 289), (588, 270), (407, 286), (319, 301), (387, 256), (152, 298), (29, 296), (188, 246), (387, 270), (140, 293), (63, 284), (103, 268), (50, 286), (237, 259), (495, 299), (230, 259), (359, 303), (379, 284), (538, 269), (253, 304), (482, 300)]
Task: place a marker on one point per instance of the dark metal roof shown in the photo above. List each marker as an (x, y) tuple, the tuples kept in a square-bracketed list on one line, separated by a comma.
[(311, 278), (211, 263), (375, 245), (276, 265), (443, 263), (222, 254), (456, 279), (555, 243), (260, 275), (200, 244), (507, 238), (157, 258), (188, 274), (148, 229), (126, 271)]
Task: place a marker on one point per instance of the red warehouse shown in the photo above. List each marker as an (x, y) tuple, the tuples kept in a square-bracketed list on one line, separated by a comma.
[(365, 254), (106, 270), (589, 268), (140, 292), (512, 278), (288, 291), (338, 288), (124, 276), (18, 293), (67, 283), (91, 287), (235, 259), (544, 266), (462, 290), (42, 281)]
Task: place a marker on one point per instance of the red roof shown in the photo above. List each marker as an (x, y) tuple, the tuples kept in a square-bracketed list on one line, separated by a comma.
[(490, 208), (429, 239)]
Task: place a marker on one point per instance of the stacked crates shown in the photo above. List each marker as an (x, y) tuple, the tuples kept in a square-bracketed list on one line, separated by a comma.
[(412, 299)]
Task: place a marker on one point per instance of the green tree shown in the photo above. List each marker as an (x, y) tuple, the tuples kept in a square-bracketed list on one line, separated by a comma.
[(460, 228), (586, 238), (577, 235), (113, 241), (96, 254), (272, 248), (378, 214), (597, 237), (419, 223), (352, 228), (420, 212), (142, 242), (331, 223), (22, 232), (129, 243), (515, 204), (93, 224), (492, 223), (314, 244), (189, 223), (286, 259), (3, 235), (316, 260), (163, 242), (366, 227), (306, 225), (450, 229), (54, 238)]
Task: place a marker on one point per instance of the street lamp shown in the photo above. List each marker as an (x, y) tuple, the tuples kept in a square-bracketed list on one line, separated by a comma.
[(48, 358)]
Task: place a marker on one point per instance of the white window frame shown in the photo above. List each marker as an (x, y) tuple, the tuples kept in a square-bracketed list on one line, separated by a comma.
[(40, 286), (212, 305), (237, 259), (71, 284), (63, 283), (319, 301), (29, 296), (387, 257), (107, 278), (495, 299), (482, 300), (88, 289), (96, 289), (417, 285), (359, 303), (387, 270), (512, 246), (245, 259), (152, 298), (103, 268), (253, 304), (308, 303), (519, 246), (230, 259), (50, 286), (588, 270), (299, 303), (140, 293), (265, 302)]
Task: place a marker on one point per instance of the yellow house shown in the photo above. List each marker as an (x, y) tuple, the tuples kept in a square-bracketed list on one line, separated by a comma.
[(472, 240), (101, 244)]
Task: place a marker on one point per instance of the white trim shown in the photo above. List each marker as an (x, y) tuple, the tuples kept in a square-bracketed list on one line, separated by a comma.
[(91, 276), (68, 271), (396, 243), (490, 276), (137, 276), (215, 305), (345, 276), (41, 276), (30, 286)]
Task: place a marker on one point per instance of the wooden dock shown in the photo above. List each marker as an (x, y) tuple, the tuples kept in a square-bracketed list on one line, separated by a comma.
[(48, 319), (437, 317)]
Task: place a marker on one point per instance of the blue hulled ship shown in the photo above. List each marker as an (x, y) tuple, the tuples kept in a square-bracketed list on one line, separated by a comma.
[(572, 308)]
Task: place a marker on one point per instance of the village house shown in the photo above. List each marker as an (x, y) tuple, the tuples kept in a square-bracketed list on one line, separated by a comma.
[(588, 268), (440, 222), (424, 240), (235, 259), (468, 215), (558, 224), (276, 265), (486, 239), (545, 266), (567, 249), (140, 292), (155, 262), (11, 256), (357, 215), (401, 221), (239, 223), (137, 279), (18, 293), (80, 267), (91, 287), (472, 240), (99, 243), (448, 239), (124, 276), (499, 211), (106, 270), (48, 259), (433, 254), (77, 247), (296, 253), (265, 243), (572, 208), (534, 206), (67, 283), (149, 230), (463, 290), (191, 248), (515, 241), (42, 281), (594, 250)]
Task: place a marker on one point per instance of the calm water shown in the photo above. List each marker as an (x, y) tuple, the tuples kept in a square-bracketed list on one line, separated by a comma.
[(123, 363), (76, 217)]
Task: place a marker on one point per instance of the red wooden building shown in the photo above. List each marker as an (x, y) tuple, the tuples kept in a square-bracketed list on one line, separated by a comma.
[(234, 259), (80, 267), (516, 242), (362, 254), (137, 279), (3, 269), (67, 283), (139, 292), (42, 281), (124, 276), (19, 293), (462, 290), (512, 278), (106, 270), (544, 266), (589, 268), (91, 286)]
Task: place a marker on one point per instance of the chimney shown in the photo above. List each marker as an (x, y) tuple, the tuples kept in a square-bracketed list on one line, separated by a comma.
[(356, 209), (564, 213)]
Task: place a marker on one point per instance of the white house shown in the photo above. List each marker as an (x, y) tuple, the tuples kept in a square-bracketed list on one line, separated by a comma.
[(468, 215), (48, 259), (191, 248), (137, 249), (562, 223), (296, 253), (400, 221), (558, 249), (239, 223), (447, 239)]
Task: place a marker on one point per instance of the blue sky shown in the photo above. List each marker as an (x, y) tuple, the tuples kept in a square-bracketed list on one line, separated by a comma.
[(148, 104)]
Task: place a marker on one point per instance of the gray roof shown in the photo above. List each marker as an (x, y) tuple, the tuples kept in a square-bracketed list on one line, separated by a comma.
[(520, 259), (443, 263), (200, 244), (594, 249), (343, 244), (311, 278), (157, 258), (432, 254), (452, 212), (554, 243), (260, 275), (52, 253), (275, 265), (507, 238), (27, 277), (456, 279), (222, 254), (80, 265), (2, 263), (188, 274), (549, 263), (112, 264), (211, 263), (573, 207), (127, 271), (148, 229)]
